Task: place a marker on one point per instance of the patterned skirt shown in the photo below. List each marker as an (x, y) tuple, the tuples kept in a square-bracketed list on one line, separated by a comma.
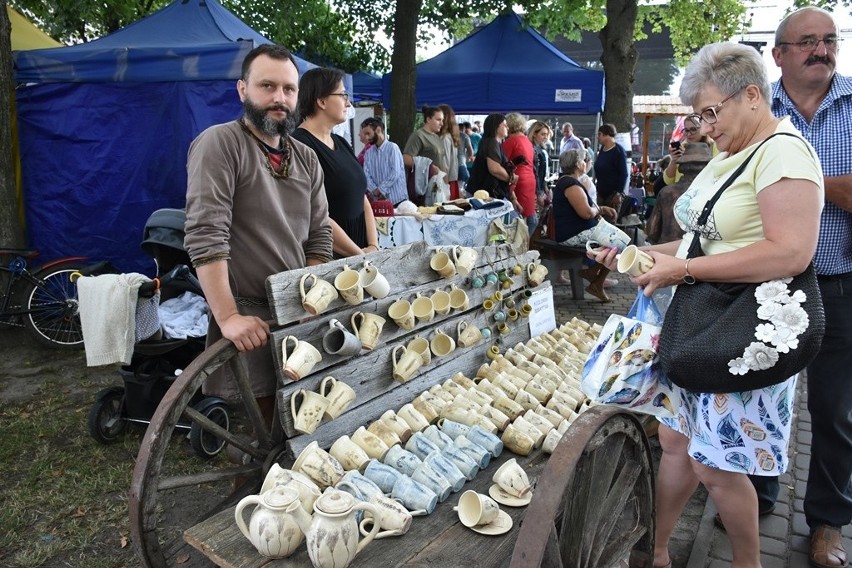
[(744, 432)]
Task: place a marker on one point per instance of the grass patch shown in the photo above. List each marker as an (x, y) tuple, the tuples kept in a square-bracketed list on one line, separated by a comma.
[(64, 495)]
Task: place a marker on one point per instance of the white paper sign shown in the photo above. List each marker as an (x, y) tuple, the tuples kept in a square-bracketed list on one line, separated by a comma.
[(569, 95), (543, 317)]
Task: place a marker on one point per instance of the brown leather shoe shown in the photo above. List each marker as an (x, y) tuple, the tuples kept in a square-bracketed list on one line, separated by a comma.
[(827, 548)]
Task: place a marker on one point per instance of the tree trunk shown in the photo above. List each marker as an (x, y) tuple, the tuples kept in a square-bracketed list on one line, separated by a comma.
[(619, 60), (11, 234), (403, 66)]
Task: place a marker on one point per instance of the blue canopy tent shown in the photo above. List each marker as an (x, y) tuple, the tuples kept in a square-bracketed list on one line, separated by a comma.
[(366, 86), (506, 66), (105, 126)]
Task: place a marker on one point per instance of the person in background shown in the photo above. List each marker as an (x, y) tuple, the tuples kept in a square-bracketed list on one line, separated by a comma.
[(426, 141), (610, 168), (818, 101), (449, 134), (465, 155), (576, 215), (255, 206), (519, 150), (491, 172), (718, 438), (475, 137), (672, 174), (590, 157), (323, 104), (383, 164), (366, 143), (538, 134), (569, 140)]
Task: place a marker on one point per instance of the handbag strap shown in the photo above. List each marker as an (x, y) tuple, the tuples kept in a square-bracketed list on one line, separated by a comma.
[(695, 246)]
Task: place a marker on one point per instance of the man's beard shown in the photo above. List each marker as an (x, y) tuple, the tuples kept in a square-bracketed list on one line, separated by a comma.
[(374, 139), (269, 126)]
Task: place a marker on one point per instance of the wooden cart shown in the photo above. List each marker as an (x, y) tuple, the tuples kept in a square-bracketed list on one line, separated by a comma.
[(593, 498)]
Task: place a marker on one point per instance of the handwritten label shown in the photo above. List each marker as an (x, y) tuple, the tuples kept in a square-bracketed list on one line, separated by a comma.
[(543, 317), (569, 95)]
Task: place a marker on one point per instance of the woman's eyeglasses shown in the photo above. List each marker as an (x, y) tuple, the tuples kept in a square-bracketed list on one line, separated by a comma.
[(711, 114), (692, 130), (344, 95), (811, 43)]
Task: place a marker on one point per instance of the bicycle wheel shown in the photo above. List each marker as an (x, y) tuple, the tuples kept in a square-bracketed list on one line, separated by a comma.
[(53, 315)]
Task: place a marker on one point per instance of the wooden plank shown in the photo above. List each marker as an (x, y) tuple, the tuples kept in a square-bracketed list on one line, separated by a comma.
[(221, 541)]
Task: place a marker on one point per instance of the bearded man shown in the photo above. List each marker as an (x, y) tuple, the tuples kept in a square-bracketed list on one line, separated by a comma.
[(255, 206)]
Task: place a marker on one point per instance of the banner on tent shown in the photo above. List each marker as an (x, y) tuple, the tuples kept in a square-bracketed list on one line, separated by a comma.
[(569, 95)]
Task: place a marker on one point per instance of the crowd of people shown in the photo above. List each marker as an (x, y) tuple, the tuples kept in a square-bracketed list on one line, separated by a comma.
[(267, 195)]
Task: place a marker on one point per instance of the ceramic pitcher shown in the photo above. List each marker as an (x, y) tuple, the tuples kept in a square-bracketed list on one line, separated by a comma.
[(332, 536), (275, 525)]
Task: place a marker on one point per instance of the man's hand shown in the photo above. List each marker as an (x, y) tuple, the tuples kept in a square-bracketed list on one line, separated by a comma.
[(246, 332), (608, 213)]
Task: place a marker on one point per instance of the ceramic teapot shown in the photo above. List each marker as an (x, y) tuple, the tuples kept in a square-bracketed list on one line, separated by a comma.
[(332, 534), (275, 525)]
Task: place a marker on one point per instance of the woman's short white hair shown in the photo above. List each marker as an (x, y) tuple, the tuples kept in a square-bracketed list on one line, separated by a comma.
[(570, 160), (727, 66)]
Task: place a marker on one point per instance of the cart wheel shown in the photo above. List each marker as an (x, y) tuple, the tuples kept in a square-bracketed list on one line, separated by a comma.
[(593, 504), (106, 418), (171, 489), (53, 316), (207, 444)]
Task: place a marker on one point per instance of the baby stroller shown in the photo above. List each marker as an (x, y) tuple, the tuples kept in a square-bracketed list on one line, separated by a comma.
[(158, 360)]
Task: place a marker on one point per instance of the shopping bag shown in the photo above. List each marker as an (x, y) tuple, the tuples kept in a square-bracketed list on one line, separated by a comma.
[(623, 368)]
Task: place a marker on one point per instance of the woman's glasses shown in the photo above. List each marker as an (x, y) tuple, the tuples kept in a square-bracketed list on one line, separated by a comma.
[(344, 95), (811, 43), (711, 114)]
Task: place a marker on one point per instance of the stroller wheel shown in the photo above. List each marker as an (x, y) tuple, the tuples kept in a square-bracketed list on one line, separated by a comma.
[(106, 418), (205, 443)]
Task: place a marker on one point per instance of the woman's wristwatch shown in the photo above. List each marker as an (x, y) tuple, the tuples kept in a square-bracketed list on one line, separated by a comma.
[(688, 278)]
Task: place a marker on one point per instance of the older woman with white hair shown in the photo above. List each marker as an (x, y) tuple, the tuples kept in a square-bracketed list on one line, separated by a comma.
[(719, 438)]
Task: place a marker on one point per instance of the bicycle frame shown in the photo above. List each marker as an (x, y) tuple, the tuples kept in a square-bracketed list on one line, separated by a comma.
[(17, 274)]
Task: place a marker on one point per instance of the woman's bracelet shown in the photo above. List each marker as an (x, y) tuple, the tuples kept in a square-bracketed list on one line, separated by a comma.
[(372, 245)]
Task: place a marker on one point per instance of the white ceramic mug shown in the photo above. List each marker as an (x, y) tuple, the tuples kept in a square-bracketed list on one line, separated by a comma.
[(468, 334), (373, 281), (605, 235), (369, 330), (301, 360), (442, 344), (321, 293), (465, 259), (536, 273), (370, 443), (458, 298), (476, 509), (340, 396), (348, 284), (308, 414), (406, 364), (350, 455), (441, 302), (634, 262), (394, 518), (319, 465), (442, 264), (402, 314), (512, 478), (423, 308)]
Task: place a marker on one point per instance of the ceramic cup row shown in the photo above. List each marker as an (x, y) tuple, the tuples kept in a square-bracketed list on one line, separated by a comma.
[(349, 284), (309, 408), (459, 259), (423, 309)]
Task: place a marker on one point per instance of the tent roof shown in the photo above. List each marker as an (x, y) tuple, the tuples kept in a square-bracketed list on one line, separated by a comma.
[(507, 66), (25, 35), (366, 86), (188, 40)]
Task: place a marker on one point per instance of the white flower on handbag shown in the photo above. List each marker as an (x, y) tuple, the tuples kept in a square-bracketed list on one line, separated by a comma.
[(787, 320)]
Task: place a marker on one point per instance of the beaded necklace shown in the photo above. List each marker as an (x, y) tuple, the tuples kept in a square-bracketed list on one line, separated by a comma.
[(282, 169)]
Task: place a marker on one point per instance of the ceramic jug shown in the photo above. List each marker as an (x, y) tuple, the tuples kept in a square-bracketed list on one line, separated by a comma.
[(332, 534), (275, 525)]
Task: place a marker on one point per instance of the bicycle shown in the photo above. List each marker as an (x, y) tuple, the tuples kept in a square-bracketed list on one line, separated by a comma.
[(43, 299)]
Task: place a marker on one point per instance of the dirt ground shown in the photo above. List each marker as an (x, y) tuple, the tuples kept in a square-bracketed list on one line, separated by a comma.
[(24, 364)]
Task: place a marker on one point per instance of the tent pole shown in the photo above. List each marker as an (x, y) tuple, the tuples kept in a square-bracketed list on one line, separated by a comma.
[(646, 138)]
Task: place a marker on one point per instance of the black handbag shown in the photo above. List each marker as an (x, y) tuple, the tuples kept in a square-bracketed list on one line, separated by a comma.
[(740, 337)]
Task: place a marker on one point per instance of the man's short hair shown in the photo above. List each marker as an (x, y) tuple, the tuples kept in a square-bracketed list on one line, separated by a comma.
[(608, 130), (465, 124), (373, 122), (270, 50)]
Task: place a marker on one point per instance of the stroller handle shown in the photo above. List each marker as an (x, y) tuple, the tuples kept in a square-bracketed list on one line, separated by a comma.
[(179, 272)]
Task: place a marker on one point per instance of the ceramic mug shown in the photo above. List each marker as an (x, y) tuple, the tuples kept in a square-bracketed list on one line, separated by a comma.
[(402, 315), (321, 294), (340, 396), (431, 478), (424, 407), (536, 273), (465, 463), (517, 441), (370, 443), (474, 451), (443, 465), (442, 344), (512, 478), (605, 235), (406, 364), (307, 415), (397, 424), (453, 429), (441, 302), (465, 259), (486, 439), (442, 264), (393, 518), (319, 465), (634, 262), (539, 421), (421, 345), (369, 329), (383, 431), (551, 441), (340, 341), (402, 460), (437, 437), (420, 445), (373, 281), (423, 308), (413, 495), (358, 485), (498, 418), (475, 509), (301, 360), (458, 298), (530, 429), (415, 420), (350, 455), (348, 284), (383, 475), (468, 334)]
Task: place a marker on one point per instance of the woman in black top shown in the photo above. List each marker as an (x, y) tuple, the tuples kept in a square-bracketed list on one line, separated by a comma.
[(490, 167), (575, 215), (323, 104)]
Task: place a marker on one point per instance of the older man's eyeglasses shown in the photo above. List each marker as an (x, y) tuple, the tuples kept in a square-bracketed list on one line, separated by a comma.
[(711, 114), (832, 43)]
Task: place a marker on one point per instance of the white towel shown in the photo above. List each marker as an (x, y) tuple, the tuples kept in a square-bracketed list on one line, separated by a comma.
[(108, 316), (184, 316)]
